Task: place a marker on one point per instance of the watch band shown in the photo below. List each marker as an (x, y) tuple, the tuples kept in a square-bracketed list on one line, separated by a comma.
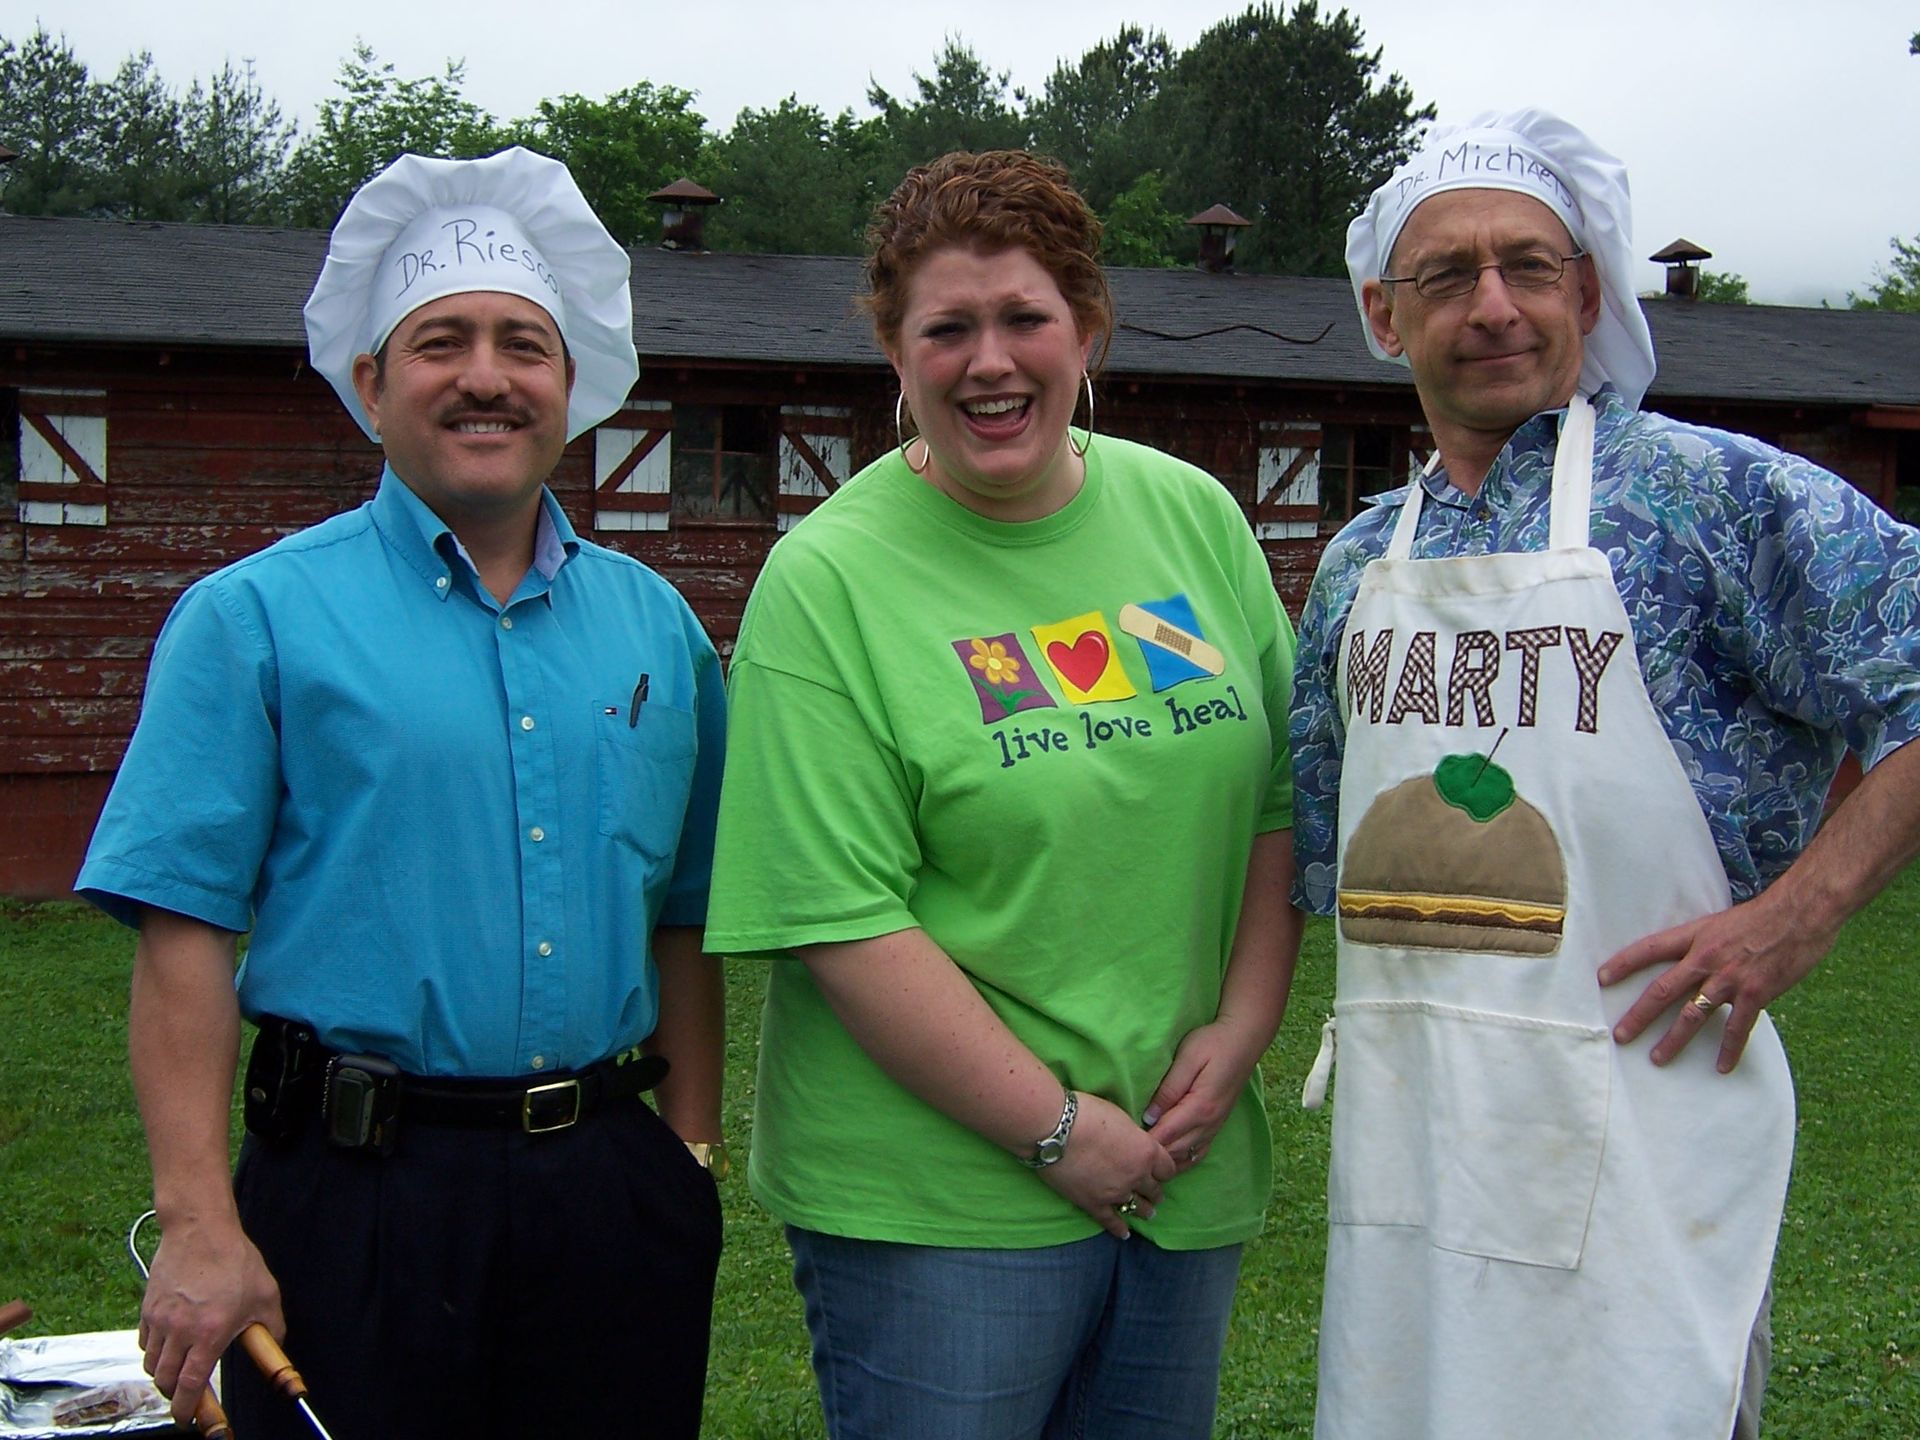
[(710, 1156), (1048, 1151)]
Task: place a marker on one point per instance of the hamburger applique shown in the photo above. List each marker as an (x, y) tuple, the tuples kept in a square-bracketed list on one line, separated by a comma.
[(1455, 860)]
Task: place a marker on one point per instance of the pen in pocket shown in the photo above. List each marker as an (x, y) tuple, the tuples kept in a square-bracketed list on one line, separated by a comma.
[(639, 699)]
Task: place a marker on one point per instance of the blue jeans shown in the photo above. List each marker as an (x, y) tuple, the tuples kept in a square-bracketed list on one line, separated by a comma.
[(1101, 1338)]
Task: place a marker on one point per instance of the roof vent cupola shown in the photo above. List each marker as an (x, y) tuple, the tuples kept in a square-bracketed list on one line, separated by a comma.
[(684, 216), (1682, 259), (1219, 229)]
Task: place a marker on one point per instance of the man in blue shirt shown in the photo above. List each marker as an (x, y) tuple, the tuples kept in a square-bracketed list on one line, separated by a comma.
[(456, 770), (1597, 668)]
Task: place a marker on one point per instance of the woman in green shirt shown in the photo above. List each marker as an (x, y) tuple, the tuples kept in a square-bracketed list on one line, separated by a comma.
[(1007, 800)]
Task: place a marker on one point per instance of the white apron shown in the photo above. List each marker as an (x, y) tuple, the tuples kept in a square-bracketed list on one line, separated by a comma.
[(1532, 1230)]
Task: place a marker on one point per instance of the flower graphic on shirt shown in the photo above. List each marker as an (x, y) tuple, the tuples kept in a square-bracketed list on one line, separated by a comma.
[(991, 659), (1002, 676)]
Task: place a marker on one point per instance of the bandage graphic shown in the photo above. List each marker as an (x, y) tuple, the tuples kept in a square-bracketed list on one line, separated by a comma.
[(1144, 625), (1171, 642)]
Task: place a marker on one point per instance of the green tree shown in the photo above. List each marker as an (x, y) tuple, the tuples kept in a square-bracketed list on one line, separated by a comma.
[(48, 110), (1285, 117), (236, 145), (1139, 227), (376, 118), (143, 172), (1098, 118), (962, 106), (794, 181), (623, 148), (1723, 287), (1896, 285)]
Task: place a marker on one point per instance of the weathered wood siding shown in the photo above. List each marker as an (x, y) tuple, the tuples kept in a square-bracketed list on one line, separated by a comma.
[(212, 455)]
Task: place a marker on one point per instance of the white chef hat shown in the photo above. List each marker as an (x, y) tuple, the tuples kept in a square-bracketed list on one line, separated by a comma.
[(1540, 155), (514, 223)]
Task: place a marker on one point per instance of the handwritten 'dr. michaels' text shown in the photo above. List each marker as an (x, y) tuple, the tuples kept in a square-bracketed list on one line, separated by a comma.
[(1472, 158)]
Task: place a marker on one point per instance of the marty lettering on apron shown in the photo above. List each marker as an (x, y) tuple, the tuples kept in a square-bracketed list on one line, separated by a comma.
[(1471, 673)]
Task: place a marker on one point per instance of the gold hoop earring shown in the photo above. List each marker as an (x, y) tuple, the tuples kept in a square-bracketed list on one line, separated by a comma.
[(900, 430), (1087, 379)]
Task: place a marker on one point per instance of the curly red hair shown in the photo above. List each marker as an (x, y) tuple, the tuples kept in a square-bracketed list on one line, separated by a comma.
[(992, 200)]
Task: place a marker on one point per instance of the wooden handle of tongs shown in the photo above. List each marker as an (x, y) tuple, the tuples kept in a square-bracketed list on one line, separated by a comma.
[(14, 1314), (210, 1419), (272, 1361)]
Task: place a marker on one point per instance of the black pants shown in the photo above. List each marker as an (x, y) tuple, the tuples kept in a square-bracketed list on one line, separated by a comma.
[(483, 1283)]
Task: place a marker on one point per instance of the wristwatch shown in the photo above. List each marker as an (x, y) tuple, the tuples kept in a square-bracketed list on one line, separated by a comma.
[(710, 1156), (1048, 1151)]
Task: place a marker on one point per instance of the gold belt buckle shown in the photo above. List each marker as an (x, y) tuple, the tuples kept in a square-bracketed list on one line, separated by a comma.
[(526, 1107)]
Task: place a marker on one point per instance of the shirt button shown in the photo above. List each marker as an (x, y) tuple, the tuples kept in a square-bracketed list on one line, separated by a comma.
[(506, 622), (441, 583), (539, 1062), (526, 722), (546, 947), (536, 834)]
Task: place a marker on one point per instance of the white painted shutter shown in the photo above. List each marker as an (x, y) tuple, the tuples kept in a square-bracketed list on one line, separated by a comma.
[(63, 457)]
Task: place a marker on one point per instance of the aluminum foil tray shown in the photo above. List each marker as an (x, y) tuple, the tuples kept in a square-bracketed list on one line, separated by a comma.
[(37, 1375)]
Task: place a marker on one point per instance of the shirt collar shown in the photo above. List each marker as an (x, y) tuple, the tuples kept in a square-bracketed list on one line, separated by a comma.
[(424, 540), (1537, 433), (554, 541)]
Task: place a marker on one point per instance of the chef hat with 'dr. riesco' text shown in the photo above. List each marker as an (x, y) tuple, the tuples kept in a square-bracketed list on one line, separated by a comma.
[(514, 223), (1533, 153)]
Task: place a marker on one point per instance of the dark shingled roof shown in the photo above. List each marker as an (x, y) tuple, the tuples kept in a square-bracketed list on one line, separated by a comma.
[(139, 283)]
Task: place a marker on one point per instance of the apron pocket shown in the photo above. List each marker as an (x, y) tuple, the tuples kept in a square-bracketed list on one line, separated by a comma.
[(1485, 1130)]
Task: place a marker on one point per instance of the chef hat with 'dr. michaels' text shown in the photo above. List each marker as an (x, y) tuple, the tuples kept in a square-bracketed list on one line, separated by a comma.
[(514, 223), (1533, 153)]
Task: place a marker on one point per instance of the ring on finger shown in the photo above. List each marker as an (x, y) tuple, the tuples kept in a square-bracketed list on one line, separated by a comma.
[(1128, 1206), (1193, 1153), (1704, 1004)]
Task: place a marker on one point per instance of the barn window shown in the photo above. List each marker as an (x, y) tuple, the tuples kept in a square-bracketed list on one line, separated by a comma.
[(632, 468), (1355, 461), (61, 457), (723, 463), (816, 454)]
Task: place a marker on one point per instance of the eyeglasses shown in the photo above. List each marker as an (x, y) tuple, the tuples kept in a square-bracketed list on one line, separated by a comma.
[(1534, 270)]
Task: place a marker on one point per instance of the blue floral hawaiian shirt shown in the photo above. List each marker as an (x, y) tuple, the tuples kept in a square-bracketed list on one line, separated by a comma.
[(1775, 607)]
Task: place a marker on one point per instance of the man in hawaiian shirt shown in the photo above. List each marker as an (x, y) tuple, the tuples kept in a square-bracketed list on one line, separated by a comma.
[(1769, 609)]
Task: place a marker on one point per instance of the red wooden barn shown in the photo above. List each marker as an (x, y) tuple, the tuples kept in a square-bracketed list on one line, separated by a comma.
[(158, 418)]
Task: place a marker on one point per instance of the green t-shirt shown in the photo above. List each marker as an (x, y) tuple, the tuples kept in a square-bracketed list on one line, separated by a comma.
[(1050, 746)]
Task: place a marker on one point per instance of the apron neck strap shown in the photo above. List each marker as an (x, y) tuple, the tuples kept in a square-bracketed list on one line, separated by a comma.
[(1572, 499), (1401, 545), (1572, 479)]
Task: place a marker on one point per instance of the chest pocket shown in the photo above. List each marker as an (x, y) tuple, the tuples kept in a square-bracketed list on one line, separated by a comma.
[(645, 774), (1485, 1130)]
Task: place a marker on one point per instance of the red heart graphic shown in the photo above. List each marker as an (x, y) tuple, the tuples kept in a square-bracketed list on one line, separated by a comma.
[(1083, 662)]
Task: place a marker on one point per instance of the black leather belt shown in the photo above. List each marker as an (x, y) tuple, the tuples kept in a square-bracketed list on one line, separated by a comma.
[(533, 1104), (364, 1100)]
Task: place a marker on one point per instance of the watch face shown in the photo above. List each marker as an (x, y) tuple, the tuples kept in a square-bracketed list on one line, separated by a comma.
[(710, 1156)]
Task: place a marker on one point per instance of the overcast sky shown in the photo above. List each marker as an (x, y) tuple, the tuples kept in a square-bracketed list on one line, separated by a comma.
[(1782, 135)]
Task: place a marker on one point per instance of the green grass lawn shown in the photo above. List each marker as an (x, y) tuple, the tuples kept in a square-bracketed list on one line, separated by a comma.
[(1846, 1318)]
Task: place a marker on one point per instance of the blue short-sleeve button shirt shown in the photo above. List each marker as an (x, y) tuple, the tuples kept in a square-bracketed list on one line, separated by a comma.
[(451, 825)]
